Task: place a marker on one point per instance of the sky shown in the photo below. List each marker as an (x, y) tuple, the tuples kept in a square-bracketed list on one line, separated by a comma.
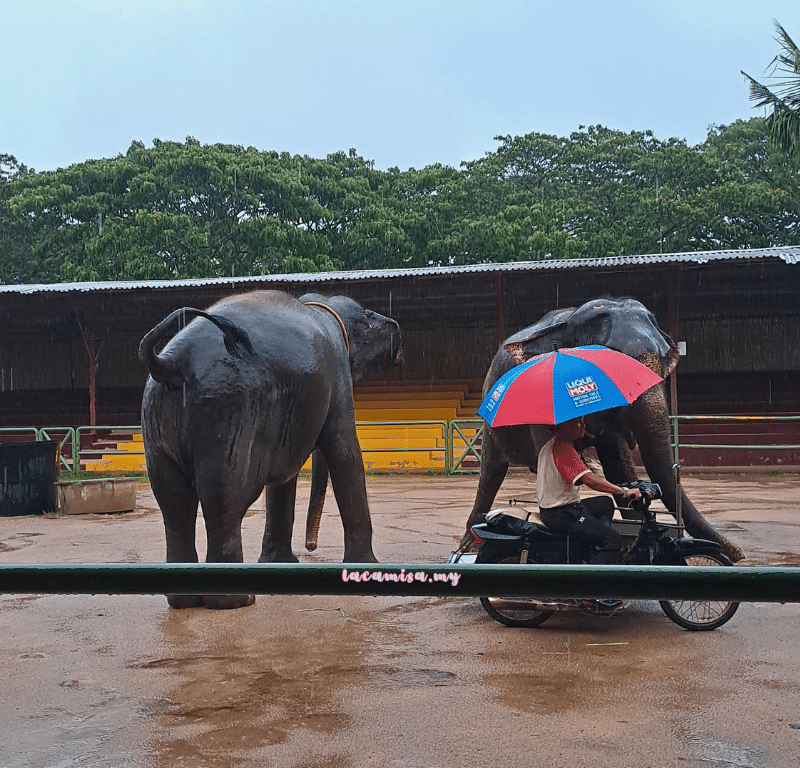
[(406, 83)]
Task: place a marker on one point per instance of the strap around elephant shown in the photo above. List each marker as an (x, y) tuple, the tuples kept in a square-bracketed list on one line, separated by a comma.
[(338, 320)]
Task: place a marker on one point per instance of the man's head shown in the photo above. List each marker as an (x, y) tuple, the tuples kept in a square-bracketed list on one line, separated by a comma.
[(571, 430)]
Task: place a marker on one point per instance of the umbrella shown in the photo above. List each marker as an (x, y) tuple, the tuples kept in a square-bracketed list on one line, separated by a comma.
[(565, 384)]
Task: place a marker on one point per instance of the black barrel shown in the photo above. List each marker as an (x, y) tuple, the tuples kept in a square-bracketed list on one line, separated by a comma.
[(28, 474)]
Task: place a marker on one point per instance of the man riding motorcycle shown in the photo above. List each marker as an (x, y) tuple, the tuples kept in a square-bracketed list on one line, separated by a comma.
[(560, 472)]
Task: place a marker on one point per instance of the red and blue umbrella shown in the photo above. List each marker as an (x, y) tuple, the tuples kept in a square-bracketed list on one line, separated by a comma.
[(565, 384)]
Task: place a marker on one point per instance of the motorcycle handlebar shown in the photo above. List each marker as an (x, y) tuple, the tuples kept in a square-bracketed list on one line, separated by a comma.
[(651, 490)]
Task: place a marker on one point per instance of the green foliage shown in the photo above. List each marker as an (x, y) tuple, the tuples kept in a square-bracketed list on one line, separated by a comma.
[(24, 258), (783, 98), (180, 210), (755, 200)]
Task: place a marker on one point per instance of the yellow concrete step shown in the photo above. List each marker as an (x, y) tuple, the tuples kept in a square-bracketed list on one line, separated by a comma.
[(116, 463), (136, 445), (404, 460), (430, 431), (408, 460), (406, 414), (402, 398), (427, 443)]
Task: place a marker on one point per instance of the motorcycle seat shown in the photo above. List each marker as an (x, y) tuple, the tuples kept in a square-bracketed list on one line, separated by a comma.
[(510, 527), (482, 531)]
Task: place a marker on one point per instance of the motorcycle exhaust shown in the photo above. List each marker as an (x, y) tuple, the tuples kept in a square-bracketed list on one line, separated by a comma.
[(594, 607), (520, 604)]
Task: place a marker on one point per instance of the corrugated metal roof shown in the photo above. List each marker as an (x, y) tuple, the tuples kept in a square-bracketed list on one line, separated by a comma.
[(789, 254)]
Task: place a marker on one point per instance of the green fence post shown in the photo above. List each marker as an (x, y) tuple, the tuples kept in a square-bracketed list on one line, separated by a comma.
[(675, 440), (470, 444)]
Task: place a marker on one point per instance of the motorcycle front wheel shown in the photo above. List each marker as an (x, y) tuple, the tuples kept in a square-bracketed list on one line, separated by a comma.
[(513, 611), (701, 615)]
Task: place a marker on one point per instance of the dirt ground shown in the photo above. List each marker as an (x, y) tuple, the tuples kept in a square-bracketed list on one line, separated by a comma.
[(393, 682)]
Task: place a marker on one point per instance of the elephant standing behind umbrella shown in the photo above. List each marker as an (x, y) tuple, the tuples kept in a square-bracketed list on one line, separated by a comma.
[(624, 325)]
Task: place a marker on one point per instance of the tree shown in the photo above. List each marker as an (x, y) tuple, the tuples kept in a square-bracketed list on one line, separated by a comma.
[(24, 253), (783, 97), (754, 201), (596, 193), (13, 245), (176, 211), (180, 210)]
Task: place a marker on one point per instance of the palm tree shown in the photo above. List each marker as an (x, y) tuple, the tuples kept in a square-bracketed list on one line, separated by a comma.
[(784, 95)]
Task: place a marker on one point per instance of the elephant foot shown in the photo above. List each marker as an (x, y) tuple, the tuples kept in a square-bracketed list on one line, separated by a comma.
[(733, 553), (185, 601), (468, 543), (227, 602), (278, 557), (360, 557)]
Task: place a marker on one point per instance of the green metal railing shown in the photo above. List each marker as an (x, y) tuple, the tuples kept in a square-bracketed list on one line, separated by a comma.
[(68, 447), (66, 443), (84, 453), (677, 445), (461, 438), (470, 451), (20, 431), (455, 433), (757, 584)]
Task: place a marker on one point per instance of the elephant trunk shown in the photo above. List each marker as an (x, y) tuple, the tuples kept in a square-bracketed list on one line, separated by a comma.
[(650, 422), (319, 486)]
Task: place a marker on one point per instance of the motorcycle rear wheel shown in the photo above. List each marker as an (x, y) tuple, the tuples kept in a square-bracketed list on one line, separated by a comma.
[(701, 615), (501, 609)]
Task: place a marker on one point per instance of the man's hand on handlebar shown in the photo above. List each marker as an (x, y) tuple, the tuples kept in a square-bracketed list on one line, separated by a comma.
[(631, 493), (638, 488)]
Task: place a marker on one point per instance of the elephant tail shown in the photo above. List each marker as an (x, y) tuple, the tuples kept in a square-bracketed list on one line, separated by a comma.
[(166, 370), (319, 485)]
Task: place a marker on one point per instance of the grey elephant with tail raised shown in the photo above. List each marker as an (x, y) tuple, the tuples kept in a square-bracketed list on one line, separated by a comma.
[(238, 400), (627, 326)]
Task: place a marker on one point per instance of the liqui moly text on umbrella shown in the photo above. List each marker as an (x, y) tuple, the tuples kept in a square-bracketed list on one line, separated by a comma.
[(583, 391)]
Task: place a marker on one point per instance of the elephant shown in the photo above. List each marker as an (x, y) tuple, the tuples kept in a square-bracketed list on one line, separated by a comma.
[(624, 325), (238, 400)]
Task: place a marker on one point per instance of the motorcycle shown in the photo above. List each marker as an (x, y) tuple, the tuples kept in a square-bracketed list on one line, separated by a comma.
[(504, 538)]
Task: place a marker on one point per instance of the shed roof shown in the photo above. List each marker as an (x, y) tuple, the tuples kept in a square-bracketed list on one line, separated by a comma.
[(789, 254)]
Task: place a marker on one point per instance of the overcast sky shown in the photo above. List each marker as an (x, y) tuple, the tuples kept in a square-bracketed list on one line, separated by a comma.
[(406, 83)]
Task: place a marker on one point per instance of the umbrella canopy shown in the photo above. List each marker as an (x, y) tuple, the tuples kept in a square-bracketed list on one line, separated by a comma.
[(565, 384)]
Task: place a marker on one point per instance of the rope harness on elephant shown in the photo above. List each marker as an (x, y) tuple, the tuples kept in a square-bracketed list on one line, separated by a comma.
[(338, 320)]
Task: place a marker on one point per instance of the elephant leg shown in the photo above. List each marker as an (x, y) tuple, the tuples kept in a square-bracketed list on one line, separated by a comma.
[(276, 546), (223, 512), (177, 500), (319, 485), (615, 458), (494, 467), (343, 456), (651, 427)]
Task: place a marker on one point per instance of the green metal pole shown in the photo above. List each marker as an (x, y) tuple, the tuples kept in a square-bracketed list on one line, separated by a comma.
[(757, 584), (676, 441)]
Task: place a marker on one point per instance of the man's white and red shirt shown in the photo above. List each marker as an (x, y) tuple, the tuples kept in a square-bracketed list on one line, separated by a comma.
[(557, 473)]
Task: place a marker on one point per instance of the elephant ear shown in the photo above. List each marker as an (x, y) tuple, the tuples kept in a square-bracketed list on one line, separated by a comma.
[(670, 362), (374, 340), (306, 297), (544, 336)]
